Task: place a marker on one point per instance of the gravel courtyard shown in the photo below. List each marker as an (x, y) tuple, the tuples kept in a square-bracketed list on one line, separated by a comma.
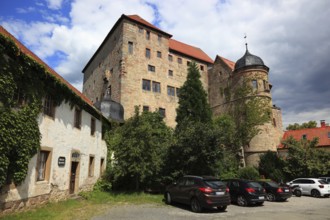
[(296, 208)]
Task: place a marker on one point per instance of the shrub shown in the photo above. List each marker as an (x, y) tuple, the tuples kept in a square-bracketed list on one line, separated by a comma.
[(250, 173)]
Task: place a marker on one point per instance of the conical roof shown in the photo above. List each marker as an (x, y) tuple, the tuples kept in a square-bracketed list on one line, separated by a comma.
[(249, 60)]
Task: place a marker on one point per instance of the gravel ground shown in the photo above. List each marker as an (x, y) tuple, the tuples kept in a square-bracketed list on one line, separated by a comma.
[(296, 208)]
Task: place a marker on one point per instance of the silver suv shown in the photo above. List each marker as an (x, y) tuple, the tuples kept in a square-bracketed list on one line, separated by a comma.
[(312, 186), (327, 179)]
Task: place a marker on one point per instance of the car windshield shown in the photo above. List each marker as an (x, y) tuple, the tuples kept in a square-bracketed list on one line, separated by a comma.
[(254, 184), (213, 183)]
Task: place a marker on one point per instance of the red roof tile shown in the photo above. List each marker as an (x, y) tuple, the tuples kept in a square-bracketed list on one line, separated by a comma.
[(146, 23), (229, 63), (191, 51), (29, 53), (320, 132)]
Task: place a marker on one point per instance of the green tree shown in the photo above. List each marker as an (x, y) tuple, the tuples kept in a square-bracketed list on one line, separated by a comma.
[(193, 104), (271, 166), (249, 112), (138, 148), (196, 150), (249, 173), (296, 126), (304, 159)]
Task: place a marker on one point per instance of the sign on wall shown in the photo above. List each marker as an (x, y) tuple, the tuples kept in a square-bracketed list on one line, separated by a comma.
[(61, 161)]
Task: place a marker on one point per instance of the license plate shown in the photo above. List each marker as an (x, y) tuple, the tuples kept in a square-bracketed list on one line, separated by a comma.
[(286, 190), (219, 193), (261, 197)]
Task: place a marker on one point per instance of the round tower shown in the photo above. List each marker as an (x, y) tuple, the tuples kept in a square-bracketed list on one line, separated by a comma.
[(252, 70)]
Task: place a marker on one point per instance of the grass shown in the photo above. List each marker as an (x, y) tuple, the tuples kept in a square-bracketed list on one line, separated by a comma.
[(94, 203)]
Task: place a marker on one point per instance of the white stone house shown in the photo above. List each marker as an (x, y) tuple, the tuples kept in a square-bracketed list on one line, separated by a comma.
[(72, 154)]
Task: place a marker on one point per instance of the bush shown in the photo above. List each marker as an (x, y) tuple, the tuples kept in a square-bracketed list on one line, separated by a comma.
[(249, 173), (102, 185)]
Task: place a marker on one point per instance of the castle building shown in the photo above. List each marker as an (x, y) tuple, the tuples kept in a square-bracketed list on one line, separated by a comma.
[(140, 65)]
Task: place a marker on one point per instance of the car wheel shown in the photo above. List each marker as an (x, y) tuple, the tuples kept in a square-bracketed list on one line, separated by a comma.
[(222, 208), (270, 197), (195, 205), (241, 201), (315, 193), (168, 199), (297, 192)]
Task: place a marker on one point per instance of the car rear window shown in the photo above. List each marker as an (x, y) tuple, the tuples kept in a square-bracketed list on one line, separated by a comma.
[(273, 184), (323, 182), (214, 183), (254, 184)]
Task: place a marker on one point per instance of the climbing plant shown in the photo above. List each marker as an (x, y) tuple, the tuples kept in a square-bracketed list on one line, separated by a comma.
[(23, 84)]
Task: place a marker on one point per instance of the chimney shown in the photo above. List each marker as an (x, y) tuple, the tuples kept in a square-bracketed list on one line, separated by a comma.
[(322, 123)]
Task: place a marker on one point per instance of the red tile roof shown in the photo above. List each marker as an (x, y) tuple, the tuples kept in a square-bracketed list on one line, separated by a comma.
[(229, 63), (191, 51), (320, 132), (174, 44), (29, 53)]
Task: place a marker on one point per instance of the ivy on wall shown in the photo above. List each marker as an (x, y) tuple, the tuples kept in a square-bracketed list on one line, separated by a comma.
[(23, 84)]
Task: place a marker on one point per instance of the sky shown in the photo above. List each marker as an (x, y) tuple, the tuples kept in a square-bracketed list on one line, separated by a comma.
[(291, 36)]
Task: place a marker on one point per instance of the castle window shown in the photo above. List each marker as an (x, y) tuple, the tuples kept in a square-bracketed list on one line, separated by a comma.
[(170, 57), (274, 122), (162, 112), (141, 30), (130, 47), (92, 126), (91, 165), (159, 54), (188, 63), (179, 60), (170, 91), (156, 87), (254, 84), (177, 92), (77, 118), (159, 38), (43, 165), (145, 108), (170, 72), (148, 35), (151, 68), (49, 106), (148, 53), (202, 67), (146, 84)]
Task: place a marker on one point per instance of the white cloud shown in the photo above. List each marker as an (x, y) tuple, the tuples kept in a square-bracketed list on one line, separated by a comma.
[(54, 4)]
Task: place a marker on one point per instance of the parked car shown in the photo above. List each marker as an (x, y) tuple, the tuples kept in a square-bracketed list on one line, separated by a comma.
[(199, 192), (245, 192), (312, 186), (327, 179), (275, 192)]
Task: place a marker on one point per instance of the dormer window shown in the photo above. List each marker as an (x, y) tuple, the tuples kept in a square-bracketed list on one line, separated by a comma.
[(304, 136), (328, 134)]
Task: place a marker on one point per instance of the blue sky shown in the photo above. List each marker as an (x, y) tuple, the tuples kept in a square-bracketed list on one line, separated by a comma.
[(291, 36)]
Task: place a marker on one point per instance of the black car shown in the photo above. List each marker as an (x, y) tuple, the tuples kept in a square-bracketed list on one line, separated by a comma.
[(245, 192), (199, 192), (275, 192)]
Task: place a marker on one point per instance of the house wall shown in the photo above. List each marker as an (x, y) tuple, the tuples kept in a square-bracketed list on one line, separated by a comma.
[(61, 138)]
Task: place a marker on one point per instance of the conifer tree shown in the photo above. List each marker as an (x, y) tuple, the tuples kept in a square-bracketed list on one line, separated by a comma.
[(193, 104)]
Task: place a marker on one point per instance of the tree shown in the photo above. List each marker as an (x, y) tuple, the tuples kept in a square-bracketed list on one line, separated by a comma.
[(249, 112), (138, 148), (196, 150), (304, 159), (296, 126), (271, 166), (193, 104)]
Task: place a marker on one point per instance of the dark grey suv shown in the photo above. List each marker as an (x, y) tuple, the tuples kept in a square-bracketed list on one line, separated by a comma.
[(246, 192), (199, 192)]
